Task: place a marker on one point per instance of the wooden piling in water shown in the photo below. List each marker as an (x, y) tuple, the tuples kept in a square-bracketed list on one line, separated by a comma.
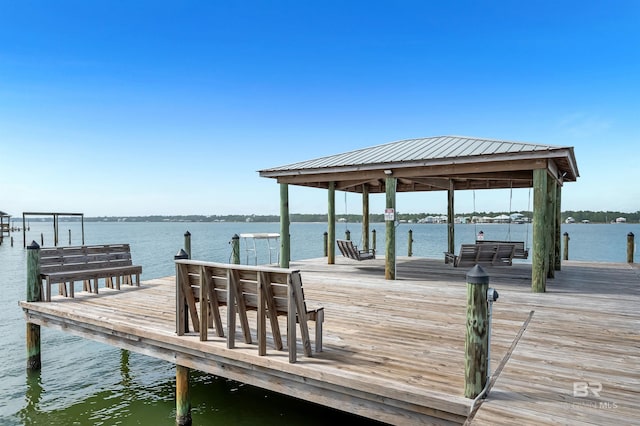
[(34, 294), (410, 244), (476, 344), (187, 244), (565, 252), (630, 247), (347, 235), (183, 401)]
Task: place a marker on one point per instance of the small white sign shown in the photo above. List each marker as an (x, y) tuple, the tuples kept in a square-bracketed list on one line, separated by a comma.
[(389, 214)]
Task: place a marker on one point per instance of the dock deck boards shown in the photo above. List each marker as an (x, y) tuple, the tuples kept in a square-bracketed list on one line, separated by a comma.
[(394, 350)]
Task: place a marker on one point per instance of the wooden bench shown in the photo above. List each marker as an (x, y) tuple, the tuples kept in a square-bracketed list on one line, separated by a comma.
[(202, 287), (62, 265), (520, 251), (497, 254), (348, 249)]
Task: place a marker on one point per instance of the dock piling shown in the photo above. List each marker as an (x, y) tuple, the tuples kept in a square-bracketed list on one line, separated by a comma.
[(565, 252), (187, 243), (183, 402), (34, 294), (630, 247), (476, 344), (347, 235), (326, 241), (235, 249), (410, 244)]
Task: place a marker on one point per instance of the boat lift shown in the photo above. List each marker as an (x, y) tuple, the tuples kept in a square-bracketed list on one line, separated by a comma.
[(251, 250)]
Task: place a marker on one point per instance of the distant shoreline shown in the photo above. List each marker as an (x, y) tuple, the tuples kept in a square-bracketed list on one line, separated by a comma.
[(593, 217)]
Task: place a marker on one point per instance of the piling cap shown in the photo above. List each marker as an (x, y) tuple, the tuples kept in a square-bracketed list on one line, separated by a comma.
[(477, 275), (33, 246), (181, 255), (630, 234), (186, 234)]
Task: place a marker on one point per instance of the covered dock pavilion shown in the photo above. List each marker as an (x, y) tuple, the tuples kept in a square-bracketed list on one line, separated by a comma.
[(441, 163)]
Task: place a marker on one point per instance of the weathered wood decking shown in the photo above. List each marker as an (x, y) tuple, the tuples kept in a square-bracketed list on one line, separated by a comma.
[(394, 350)]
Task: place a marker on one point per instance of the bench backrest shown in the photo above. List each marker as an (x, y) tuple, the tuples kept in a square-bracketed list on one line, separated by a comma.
[(276, 283), (270, 291), (486, 253), (76, 258), (520, 251)]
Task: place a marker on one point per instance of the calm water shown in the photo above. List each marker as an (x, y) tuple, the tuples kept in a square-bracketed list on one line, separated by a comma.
[(87, 383)]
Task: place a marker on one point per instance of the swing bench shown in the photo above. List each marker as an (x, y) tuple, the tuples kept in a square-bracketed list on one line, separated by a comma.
[(348, 249), (520, 251)]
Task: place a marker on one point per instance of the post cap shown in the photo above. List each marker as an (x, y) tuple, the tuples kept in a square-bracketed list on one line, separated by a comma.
[(566, 234), (33, 246), (186, 234), (235, 237), (181, 255), (630, 234), (477, 275)]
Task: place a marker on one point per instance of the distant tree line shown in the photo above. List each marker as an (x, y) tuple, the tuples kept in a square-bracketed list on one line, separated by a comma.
[(580, 215)]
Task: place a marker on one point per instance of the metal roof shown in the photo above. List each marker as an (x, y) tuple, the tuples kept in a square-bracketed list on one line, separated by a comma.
[(422, 155)]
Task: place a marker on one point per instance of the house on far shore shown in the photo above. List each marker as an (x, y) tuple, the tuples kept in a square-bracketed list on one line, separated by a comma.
[(621, 220)]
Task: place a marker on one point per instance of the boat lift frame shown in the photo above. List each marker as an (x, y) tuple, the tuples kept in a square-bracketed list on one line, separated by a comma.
[(251, 248)]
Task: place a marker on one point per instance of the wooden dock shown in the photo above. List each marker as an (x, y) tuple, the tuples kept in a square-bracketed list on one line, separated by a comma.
[(394, 350)]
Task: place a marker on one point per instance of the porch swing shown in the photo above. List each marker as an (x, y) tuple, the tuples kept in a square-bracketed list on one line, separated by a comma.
[(521, 247), (350, 250)]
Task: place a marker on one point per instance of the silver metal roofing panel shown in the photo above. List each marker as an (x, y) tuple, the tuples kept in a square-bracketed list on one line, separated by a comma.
[(411, 150)]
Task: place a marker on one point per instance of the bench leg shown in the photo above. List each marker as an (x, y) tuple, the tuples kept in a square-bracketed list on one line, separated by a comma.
[(319, 320)]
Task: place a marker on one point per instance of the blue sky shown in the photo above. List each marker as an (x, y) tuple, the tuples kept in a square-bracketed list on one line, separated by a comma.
[(152, 107)]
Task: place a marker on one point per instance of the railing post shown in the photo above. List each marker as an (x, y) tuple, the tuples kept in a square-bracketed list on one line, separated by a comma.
[(326, 241), (187, 244), (373, 239), (565, 252), (182, 310), (235, 249), (476, 343), (410, 244), (347, 235), (34, 294), (183, 400), (630, 244)]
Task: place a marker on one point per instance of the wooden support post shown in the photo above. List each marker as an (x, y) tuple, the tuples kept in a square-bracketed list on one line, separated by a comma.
[(69, 236), (347, 235), (34, 294), (365, 217), (390, 234), (410, 244), (183, 402), (476, 343), (551, 227), (41, 239), (630, 246), (331, 219), (451, 238), (565, 253), (539, 256), (325, 242), (235, 249), (187, 244), (182, 310), (285, 234), (557, 222)]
